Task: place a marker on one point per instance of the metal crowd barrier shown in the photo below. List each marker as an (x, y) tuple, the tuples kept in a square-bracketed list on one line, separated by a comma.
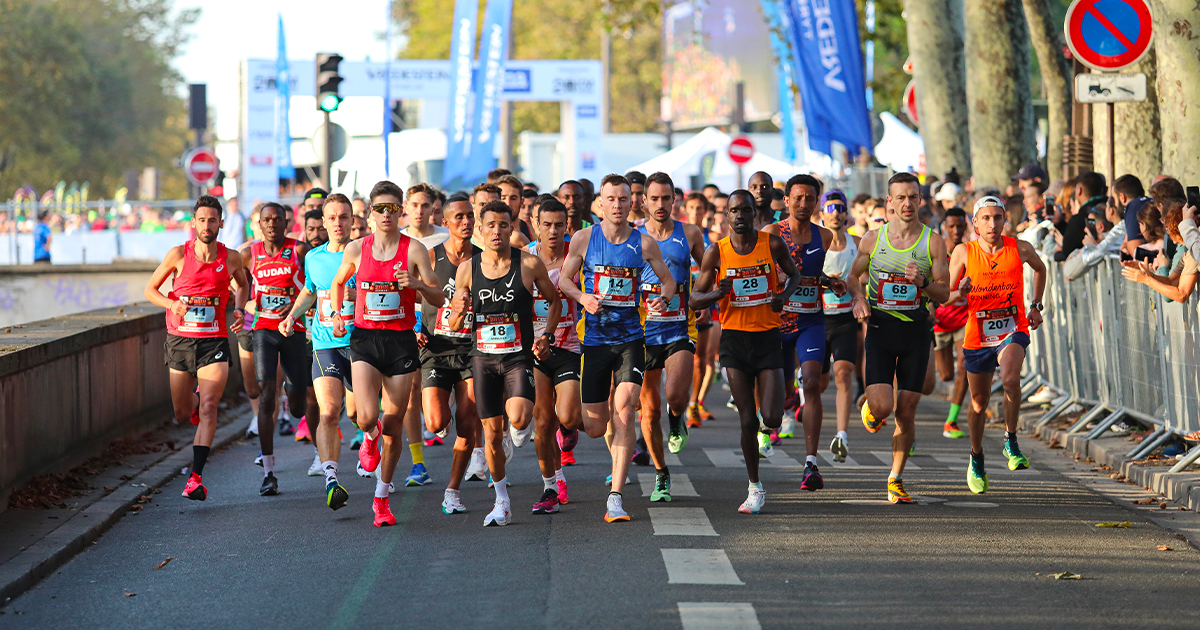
[(1118, 349)]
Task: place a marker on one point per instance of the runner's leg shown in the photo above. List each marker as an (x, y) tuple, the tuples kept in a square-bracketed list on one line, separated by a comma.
[(397, 391), (625, 399), (741, 385), (649, 416)]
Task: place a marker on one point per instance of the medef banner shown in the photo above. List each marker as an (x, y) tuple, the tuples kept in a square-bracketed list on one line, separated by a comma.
[(493, 53), (458, 120)]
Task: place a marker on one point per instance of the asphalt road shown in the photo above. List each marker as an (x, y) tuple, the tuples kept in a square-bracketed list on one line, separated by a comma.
[(840, 557)]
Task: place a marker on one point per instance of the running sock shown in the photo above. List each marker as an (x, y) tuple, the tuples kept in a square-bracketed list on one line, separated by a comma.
[(502, 490), (548, 483), (977, 459), (953, 417), (373, 434), (330, 468), (381, 489), (843, 436), (418, 452), (1010, 436), (268, 464), (893, 475), (199, 457), (755, 485), (558, 476), (477, 452), (810, 459), (675, 420)]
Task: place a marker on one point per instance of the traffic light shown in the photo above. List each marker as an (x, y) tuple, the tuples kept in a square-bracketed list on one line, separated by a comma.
[(328, 80)]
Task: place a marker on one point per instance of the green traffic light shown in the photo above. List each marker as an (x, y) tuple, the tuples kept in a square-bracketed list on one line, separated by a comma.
[(330, 102)]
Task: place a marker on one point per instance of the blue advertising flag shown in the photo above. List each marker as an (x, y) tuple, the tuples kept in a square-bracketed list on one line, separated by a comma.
[(283, 94), (489, 82), (829, 71), (784, 73), (458, 119)]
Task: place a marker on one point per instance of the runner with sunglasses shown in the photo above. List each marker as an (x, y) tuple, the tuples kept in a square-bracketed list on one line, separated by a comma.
[(843, 333)]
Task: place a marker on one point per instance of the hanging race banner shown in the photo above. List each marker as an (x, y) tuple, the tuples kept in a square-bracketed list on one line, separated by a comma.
[(493, 53), (458, 119), (785, 65), (283, 130), (824, 36)]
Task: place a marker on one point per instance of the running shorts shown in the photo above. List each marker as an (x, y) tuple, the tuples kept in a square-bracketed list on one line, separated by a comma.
[(392, 352), (561, 366), (496, 381), (605, 367), (809, 344), (445, 371), (272, 350), (841, 340), (189, 354), (899, 350), (332, 363), (246, 340), (657, 355), (943, 340), (986, 360), (752, 352)]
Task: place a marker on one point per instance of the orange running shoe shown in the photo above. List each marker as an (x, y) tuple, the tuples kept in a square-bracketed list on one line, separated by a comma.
[(693, 418), (703, 413)]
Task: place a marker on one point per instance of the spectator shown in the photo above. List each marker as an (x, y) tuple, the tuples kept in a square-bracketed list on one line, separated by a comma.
[(359, 206), (1032, 183), (130, 224), (1150, 227), (1015, 208), (947, 197), (1090, 193), (1130, 197), (233, 228), (1177, 286), (41, 239)]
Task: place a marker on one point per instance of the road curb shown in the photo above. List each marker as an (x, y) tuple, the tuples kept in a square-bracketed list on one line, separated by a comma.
[(56, 548)]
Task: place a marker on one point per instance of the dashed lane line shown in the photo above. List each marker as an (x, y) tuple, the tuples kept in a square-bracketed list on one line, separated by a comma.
[(681, 486), (681, 521), (699, 566), (718, 616)]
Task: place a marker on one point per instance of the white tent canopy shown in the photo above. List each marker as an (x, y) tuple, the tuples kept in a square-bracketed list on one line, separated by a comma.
[(682, 162), (900, 148)]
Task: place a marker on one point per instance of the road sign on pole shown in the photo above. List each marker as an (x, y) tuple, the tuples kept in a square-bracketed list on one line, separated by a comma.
[(1110, 88), (909, 101), (200, 166), (1109, 34), (741, 150)]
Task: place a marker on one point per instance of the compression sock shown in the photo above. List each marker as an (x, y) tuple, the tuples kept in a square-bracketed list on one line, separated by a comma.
[(548, 483), (502, 490), (977, 459), (199, 457), (675, 420), (268, 464), (381, 489), (953, 416), (330, 468), (418, 452)]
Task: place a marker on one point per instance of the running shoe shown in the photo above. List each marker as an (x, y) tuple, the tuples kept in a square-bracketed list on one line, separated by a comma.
[(432, 439), (285, 427), (548, 504), (729, 403), (754, 502), (302, 432), (562, 491), (896, 491), (677, 440), (361, 472), (792, 401), (839, 449), (519, 437), (951, 430), (315, 469), (608, 480), (195, 489), (357, 441), (568, 458), (1016, 459), (418, 477), (508, 448), (912, 450), (195, 419), (662, 489), (499, 515), (641, 456), (368, 454), (764, 445), (258, 460), (861, 400), (977, 479), (567, 439), (788, 428), (383, 512), (452, 503), (693, 418), (252, 430), (812, 478), (336, 496), (492, 484), (270, 486), (775, 439), (616, 512), (477, 469), (869, 420), (704, 414)]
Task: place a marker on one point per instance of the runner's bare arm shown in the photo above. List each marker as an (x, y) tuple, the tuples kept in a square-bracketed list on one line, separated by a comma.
[(862, 261), (570, 269), (419, 256), (958, 267), (695, 241), (938, 286), (169, 267), (653, 255), (462, 297), (304, 301), (783, 259), (240, 278), (707, 290), (350, 261)]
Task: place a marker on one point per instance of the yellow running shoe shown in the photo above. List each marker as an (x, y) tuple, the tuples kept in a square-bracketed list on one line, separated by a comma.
[(897, 493), (869, 420)]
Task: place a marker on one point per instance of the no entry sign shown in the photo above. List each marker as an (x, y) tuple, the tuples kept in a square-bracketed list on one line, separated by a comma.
[(200, 165), (741, 150), (1109, 34), (909, 101)]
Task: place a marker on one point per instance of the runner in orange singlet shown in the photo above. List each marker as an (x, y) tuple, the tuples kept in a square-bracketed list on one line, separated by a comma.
[(991, 270)]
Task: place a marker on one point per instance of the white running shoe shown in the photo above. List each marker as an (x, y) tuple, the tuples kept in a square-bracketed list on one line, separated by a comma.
[(452, 503), (498, 516), (364, 473), (315, 469), (1043, 395), (764, 445), (788, 428), (252, 430), (519, 438), (616, 511), (754, 502), (477, 469), (508, 448)]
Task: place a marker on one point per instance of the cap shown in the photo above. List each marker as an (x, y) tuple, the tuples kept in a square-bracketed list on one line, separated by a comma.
[(315, 193), (948, 192), (832, 193), (1031, 171), (989, 201)]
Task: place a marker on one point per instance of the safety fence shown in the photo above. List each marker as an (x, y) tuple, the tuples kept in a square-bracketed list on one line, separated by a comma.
[(1119, 350)]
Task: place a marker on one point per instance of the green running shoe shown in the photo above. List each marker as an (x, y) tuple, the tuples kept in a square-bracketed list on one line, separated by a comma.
[(677, 441), (336, 496), (977, 479), (1016, 459), (765, 449), (662, 489), (951, 430), (912, 450)]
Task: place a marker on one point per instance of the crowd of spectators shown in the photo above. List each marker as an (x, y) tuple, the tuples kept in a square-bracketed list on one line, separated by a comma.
[(127, 217)]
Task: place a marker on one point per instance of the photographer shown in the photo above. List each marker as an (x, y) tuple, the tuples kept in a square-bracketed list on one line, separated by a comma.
[(1090, 194)]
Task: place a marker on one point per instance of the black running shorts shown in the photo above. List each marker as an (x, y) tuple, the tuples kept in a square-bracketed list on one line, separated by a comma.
[(897, 349), (752, 352), (657, 355), (605, 367), (392, 352), (332, 363), (496, 381), (445, 371), (841, 340), (189, 354), (561, 366)]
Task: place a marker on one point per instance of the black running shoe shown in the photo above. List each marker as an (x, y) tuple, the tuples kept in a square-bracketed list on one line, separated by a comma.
[(641, 455), (812, 479), (270, 486), (336, 496)]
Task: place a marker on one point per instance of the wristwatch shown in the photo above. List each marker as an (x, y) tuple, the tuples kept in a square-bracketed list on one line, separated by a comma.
[(549, 337), (926, 282), (1038, 305)]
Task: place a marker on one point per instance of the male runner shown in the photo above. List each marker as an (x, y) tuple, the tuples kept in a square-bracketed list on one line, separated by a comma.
[(637, 197), (446, 353), (556, 380), (511, 190), (331, 354), (359, 228), (482, 195), (991, 274), (315, 232), (843, 333), (905, 262), (499, 283), (611, 256), (697, 209), (762, 188), (277, 265), (197, 347), (747, 263), (949, 329), (572, 195), (390, 268), (315, 235), (803, 319), (670, 334)]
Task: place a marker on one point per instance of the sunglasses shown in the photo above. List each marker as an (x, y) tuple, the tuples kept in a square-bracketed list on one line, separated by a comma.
[(391, 208), (834, 208), (878, 220)]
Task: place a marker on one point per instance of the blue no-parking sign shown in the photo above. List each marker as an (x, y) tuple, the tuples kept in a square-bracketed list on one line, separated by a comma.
[(1109, 34)]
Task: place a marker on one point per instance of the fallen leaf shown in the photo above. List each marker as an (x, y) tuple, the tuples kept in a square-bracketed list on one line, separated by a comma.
[(134, 508), (1164, 547), (170, 558), (109, 489), (1066, 575), (1122, 525), (130, 594)]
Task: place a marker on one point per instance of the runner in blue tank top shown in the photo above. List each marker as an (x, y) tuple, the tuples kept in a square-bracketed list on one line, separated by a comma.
[(611, 256), (670, 334), (803, 318)]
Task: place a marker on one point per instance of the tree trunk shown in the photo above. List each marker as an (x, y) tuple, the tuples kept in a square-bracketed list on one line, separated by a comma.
[(1177, 48), (999, 103), (935, 43), (1139, 143), (1047, 40)]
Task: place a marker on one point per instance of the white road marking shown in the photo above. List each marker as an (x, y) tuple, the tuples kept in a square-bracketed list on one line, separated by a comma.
[(681, 521), (886, 458), (849, 463), (866, 502), (951, 459), (681, 486), (699, 566), (672, 459), (971, 504), (718, 616), (724, 458)]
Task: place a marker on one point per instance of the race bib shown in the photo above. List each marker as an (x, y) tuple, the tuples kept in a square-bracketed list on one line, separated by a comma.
[(541, 311), (676, 310), (498, 333), (835, 305), (442, 325), (381, 301), (996, 325), (806, 299), (274, 302), (325, 308), (201, 315), (614, 285), (896, 293), (750, 286)]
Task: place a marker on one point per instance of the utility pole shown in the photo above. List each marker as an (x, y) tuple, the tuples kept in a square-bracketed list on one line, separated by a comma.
[(605, 63), (506, 114)]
